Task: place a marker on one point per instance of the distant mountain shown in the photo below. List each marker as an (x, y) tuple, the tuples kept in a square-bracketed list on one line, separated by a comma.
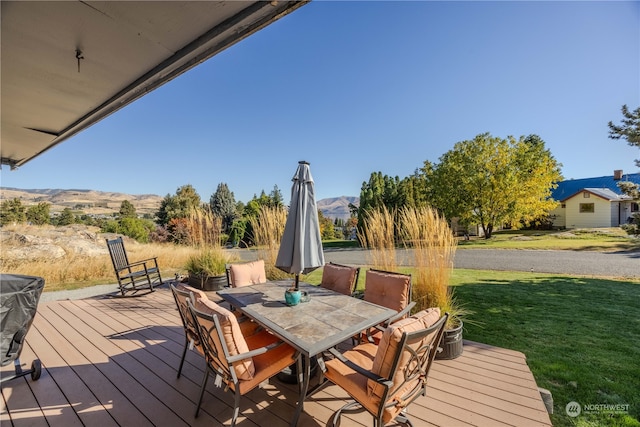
[(337, 207), (89, 201), (103, 202)]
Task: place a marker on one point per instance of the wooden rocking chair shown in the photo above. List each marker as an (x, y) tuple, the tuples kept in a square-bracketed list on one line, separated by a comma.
[(135, 275)]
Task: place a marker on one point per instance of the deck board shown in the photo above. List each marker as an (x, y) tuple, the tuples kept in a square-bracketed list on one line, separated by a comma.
[(112, 361)]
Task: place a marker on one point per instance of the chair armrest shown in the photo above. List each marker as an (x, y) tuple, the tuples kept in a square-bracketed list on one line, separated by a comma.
[(386, 323), (254, 352), (359, 369), (154, 259), (400, 314), (133, 264)]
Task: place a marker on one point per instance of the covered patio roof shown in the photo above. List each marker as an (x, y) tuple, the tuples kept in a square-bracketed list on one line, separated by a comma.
[(67, 65)]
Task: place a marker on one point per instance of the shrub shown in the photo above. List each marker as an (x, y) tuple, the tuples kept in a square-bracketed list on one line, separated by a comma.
[(209, 262)]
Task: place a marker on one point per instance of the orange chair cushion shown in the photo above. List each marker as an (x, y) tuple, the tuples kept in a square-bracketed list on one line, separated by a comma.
[(387, 289), (338, 278), (351, 381), (249, 273), (267, 364), (235, 341), (388, 347)]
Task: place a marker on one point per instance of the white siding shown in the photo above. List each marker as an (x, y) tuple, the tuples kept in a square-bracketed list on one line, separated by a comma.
[(559, 217), (601, 217)]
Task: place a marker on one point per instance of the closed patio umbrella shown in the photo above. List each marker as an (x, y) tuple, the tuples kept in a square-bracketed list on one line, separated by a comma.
[(301, 246)]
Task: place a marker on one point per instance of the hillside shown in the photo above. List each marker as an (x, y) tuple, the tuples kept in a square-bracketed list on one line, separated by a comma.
[(337, 207), (89, 201), (105, 203)]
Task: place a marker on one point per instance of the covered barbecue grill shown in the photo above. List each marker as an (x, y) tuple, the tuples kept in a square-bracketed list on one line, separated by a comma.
[(19, 296)]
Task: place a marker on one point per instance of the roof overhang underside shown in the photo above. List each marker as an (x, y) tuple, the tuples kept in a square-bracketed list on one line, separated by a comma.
[(68, 64)]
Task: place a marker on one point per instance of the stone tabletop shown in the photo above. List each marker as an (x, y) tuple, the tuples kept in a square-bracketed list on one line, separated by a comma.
[(327, 319)]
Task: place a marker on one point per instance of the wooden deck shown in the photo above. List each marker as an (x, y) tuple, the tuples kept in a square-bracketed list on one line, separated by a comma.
[(111, 361)]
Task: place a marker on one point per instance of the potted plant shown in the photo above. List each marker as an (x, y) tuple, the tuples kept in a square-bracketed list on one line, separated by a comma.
[(208, 269), (451, 343)]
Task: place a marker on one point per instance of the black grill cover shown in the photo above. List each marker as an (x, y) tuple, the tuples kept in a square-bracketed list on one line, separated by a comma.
[(19, 296)]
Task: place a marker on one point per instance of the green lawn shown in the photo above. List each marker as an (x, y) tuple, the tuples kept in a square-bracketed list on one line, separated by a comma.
[(604, 239), (581, 336)]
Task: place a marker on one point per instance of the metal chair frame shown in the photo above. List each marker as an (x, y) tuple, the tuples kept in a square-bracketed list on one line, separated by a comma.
[(191, 336), (220, 362), (416, 369)]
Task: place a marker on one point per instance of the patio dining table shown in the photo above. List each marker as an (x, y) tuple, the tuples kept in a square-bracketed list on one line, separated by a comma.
[(326, 320)]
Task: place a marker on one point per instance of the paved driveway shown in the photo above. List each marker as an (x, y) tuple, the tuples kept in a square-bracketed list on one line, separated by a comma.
[(607, 264)]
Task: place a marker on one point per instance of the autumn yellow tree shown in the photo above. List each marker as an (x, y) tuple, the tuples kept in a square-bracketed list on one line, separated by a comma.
[(492, 181)]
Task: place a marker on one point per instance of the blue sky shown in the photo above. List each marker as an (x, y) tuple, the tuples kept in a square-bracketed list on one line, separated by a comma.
[(358, 87)]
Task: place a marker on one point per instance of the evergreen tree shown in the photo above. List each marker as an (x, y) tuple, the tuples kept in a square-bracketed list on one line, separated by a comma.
[(127, 210), (39, 214), (12, 212), (275, 198), (223, 205), (629, 130), (66, 217)]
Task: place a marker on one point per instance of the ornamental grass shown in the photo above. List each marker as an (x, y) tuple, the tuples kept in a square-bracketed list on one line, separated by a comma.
[(378, 236), (268, 228), (433, 245)]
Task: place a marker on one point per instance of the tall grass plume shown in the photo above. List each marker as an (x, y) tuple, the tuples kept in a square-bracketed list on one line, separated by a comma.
[(204, 228), (434, 246), (378, 236), (268, 228)]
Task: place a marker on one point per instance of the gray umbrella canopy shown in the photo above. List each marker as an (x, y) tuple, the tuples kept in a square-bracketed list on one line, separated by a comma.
[(301, 246)]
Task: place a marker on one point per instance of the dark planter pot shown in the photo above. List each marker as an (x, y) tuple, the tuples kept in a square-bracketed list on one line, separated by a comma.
[(207, 283), (451, 343)]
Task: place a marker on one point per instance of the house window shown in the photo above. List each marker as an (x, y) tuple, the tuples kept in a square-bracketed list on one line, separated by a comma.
[(587, 208), (586, 195), (634, 207), (564, 205)]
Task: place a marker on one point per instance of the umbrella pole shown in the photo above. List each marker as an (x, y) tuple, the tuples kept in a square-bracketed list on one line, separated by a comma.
[(295, 286)]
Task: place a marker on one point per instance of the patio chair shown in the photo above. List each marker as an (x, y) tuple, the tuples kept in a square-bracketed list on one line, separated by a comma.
[(239, 363), (245, 274), (132, 276), (384, 379), (340, 278), (388, 289), (182, 293)]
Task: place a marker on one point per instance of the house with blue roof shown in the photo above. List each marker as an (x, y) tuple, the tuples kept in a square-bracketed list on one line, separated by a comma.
[(594, 202)]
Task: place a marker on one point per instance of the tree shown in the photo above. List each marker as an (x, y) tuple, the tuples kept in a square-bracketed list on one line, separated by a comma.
[(275, 198), (66, 217), (12, 212), (223, 205), (380, 190), (136, 228), (39, 214), (127, 210), (179, 205), (492, 181), (629, 130), (327, 230)]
